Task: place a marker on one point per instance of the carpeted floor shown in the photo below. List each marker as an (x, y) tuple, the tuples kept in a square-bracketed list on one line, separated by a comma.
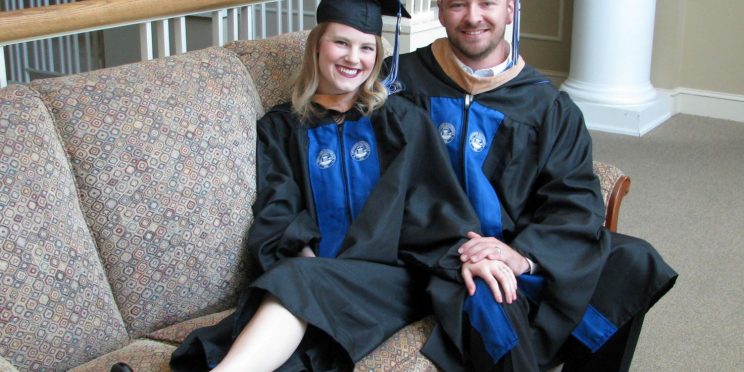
[(687, 199)]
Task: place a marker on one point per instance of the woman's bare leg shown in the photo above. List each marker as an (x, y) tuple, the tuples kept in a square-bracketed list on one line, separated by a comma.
[(267, 341)]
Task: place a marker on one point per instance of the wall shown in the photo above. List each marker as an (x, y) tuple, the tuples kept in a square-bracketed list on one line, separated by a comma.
[(545, 39), (698, 53), (705, 38)]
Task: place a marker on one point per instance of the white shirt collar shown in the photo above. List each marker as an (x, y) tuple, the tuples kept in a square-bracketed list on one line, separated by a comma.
[(487, 72)]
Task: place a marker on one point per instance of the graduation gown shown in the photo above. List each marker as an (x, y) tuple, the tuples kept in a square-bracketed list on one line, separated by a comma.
[(377, 201), (522, 153)]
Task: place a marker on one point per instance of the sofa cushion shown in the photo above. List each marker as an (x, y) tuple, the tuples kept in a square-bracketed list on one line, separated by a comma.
[(163, 152), (401, 352), (177, 333), (5, 366), (141, 355), (608, 175), (56, 307), (272, 63)]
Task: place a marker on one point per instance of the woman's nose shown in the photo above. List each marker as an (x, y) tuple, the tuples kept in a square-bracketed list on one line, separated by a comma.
[(353, 55)]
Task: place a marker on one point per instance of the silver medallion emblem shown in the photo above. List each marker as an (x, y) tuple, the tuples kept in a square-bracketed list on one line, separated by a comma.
[(360, 150), (326, 158), (447, 131), (477, 141)]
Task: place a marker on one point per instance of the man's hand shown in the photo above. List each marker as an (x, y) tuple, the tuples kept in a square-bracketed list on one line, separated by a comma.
[(479, 248), (306, 252), (499, 277)]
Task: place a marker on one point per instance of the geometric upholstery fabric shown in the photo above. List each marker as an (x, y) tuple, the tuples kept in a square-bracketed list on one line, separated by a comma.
[(608, 175), (56, 307), (141, 355), (163, 153), (272, 63), (176, 333), (401, 352), (5, 366)]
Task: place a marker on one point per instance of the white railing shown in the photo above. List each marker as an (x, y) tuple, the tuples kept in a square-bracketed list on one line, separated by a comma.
[(57, 37), (61, 55), (60, 37)]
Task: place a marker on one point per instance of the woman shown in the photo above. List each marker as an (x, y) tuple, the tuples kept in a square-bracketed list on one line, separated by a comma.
[(357, 208)]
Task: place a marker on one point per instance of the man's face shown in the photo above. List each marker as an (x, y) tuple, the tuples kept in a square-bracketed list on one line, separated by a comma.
[(475, 28)]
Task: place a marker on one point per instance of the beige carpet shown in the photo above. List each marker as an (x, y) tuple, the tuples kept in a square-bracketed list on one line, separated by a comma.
[(687, 199)]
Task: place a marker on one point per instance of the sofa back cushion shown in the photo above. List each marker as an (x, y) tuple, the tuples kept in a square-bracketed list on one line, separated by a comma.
[(272, 63), (163, 152), (56, 307)]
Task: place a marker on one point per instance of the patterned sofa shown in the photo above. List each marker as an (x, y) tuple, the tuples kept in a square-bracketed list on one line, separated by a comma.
[(124, 198)]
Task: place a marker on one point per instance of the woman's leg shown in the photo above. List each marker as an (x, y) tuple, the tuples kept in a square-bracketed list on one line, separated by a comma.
[(267, 341)]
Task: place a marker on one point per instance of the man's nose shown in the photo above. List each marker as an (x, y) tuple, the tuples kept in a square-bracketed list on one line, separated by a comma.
[(473, 13)]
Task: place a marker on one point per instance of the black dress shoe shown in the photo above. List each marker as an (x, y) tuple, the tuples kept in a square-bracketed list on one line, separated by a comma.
[(121, 367)]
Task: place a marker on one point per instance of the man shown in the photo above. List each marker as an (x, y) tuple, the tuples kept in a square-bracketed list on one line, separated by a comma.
[(523, 155)]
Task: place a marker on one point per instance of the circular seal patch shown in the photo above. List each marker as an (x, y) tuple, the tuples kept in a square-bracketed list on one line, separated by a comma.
[(360, 150), (447, 131), (326, 158), (477, 141)]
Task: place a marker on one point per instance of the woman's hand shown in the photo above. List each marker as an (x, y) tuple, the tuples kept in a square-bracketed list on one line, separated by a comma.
[(479, 248), (499, 277)]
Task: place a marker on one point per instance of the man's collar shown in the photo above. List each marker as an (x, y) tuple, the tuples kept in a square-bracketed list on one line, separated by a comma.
[(487, 72), (446, 59)]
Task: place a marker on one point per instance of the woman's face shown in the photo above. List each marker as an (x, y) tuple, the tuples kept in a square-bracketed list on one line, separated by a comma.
[(346, 57)]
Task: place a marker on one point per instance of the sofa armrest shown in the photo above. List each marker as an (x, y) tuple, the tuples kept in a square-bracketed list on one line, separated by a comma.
[(615, 185)]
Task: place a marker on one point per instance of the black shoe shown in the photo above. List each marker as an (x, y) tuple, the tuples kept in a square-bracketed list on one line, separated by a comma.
[(121, 367)]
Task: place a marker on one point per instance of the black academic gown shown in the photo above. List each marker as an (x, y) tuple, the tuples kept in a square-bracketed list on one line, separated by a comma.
[(534, 188), (404, 228)]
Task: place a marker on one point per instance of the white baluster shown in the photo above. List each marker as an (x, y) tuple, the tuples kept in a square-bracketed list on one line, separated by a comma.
[(145, 30), (289, 16), (246, 24), (163, 34), (232, 24), (301, 15), (179, 34), (218, 39), (88, 52), (263, 21), (278, 17), (3, 75), (75, 53)]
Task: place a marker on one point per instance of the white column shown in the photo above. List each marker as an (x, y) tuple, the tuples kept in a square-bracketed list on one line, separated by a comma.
[(610, 73)]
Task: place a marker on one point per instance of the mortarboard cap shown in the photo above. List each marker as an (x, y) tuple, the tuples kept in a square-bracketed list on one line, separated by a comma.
[(363, 15)]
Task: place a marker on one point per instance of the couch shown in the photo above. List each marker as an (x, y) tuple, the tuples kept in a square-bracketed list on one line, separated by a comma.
[(125, 197)]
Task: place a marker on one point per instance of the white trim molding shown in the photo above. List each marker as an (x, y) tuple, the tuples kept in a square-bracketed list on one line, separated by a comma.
[(718, 105)]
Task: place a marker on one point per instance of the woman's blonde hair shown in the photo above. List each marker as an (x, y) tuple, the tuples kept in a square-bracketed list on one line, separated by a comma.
[(372, 94)]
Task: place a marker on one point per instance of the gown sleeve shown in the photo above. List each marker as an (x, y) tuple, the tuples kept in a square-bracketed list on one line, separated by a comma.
[(562, 232), (282, 225), (437, 214)]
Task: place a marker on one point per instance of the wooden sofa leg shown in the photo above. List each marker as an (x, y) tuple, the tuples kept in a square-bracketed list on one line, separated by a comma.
[(619, 190)]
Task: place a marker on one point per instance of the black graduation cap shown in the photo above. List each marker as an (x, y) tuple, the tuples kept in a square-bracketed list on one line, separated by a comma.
[(363, 15)]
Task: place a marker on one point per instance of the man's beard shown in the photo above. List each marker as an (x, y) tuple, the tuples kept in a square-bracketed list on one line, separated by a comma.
[(475, 55), (473, 52)]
